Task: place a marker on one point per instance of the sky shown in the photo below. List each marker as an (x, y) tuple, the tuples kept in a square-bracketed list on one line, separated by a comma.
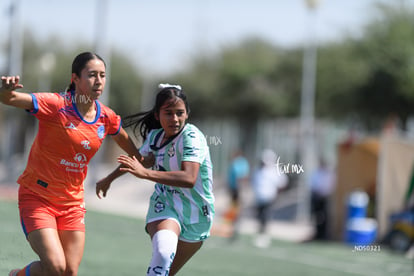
[(161, 36)]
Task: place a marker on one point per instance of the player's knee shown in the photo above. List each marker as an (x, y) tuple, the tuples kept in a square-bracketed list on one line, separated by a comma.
[(164, 244), (54, 267), (165, 254), (70, 271), (54, 271)]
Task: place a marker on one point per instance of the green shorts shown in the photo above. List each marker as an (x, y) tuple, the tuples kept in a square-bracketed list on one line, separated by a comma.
[(160, 210)]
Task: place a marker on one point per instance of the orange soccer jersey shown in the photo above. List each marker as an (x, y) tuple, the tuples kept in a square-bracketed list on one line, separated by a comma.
[(63, 147)]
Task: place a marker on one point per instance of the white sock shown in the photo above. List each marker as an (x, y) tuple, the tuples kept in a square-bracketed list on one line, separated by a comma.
[(164, 246)]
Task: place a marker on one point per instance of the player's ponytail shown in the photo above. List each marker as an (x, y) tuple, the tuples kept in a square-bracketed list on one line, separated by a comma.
[(142, 122), (71, 86)]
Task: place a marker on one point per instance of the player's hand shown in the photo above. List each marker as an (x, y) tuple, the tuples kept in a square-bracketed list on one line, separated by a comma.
[(10, 83), (131, 165), (102, 186)]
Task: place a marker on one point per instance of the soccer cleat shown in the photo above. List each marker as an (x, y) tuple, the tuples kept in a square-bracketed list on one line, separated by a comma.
[(14, 272)]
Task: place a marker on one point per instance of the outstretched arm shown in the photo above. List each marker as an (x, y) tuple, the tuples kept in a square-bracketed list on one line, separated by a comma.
[(184, 178), (9, 96), (125, 142), (103, 185)]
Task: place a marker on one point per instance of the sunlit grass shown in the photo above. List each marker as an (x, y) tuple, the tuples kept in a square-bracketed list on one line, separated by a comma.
[(117, 245)]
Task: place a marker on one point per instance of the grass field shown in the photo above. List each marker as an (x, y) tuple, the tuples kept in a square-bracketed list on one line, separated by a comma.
[(117, 245)]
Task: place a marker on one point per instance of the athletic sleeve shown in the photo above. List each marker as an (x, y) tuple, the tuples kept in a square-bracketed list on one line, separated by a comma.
[(112, 120), (194, 146), (114, 123), (45, 104)]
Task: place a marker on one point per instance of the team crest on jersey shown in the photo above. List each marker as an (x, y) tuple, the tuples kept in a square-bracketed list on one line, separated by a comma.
[(171, 150), (159, 207), (101, 132)]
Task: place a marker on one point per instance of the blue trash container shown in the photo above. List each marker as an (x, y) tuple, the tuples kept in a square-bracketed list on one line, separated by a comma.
[(361, 231), (357, 205)]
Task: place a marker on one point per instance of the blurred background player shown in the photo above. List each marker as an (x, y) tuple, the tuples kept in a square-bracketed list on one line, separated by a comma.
[(72, 126), (238, 172), (322, 184), (266, 181)]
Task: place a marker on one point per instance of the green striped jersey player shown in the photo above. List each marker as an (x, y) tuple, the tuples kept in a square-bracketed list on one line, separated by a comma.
[(181, 210), (191, 205)]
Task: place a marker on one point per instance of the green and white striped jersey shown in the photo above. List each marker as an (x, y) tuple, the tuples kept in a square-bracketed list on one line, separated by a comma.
[(193, 205)]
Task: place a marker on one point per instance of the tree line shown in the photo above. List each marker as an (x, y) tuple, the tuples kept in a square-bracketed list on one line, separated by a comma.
[(365, 78)]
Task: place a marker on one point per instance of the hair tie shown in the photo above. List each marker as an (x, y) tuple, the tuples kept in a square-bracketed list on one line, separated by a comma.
[(167, 85)]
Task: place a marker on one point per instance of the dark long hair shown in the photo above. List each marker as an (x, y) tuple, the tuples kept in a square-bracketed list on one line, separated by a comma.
[(79, 63), (144, 122)]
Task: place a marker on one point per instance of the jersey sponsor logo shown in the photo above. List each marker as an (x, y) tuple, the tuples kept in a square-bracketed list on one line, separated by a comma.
[(78, 165), (71, 126), (72, 166), (171, 150), (172, 190), (69, 164), (101, 131), (85, 144), (165, 188), (80, 157)]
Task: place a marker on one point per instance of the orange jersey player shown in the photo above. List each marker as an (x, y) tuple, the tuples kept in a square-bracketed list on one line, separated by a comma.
[(65, 144), (72, 126)]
